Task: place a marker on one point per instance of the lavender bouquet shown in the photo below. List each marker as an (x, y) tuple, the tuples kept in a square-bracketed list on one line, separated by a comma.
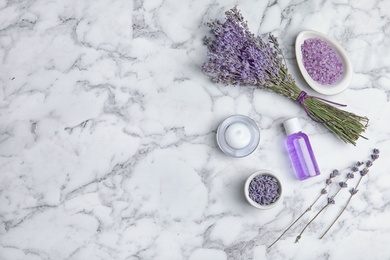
[(236, 56)]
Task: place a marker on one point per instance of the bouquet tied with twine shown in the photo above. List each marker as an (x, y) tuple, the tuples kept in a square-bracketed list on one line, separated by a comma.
[(236, 56)]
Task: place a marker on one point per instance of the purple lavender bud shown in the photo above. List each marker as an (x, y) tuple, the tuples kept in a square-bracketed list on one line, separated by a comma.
[(359, 163), (350, 175), (364, 171), (355, 169), (376, 151), (323, 191), (343, 184), (331, 201), (328, 181), (334, 173), (353, 191), (374, 156), (369, 163)]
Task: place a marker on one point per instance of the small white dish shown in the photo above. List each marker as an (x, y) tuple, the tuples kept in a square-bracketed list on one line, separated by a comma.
[(254, 203), (332, 89)]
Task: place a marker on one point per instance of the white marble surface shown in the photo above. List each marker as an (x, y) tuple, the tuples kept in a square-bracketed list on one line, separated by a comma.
[(107, 133)]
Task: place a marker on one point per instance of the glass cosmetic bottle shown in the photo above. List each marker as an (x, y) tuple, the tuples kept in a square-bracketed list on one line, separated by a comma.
[(300, 150)]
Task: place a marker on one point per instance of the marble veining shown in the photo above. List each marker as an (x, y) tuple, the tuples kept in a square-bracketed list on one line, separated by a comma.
[(107, 133)]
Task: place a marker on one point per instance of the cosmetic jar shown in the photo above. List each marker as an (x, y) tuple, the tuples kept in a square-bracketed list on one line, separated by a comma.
[(238, 136)]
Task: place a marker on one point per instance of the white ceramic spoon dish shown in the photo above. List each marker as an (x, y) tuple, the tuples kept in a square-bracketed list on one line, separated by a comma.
[(344, 80)]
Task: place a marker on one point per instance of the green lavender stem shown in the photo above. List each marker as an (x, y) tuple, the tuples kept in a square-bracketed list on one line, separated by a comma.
[(303, 230), (346, 125), (287, 229), (342, 211), (319, 212)]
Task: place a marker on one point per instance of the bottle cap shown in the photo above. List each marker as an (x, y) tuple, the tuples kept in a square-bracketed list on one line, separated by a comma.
[(292, 126)]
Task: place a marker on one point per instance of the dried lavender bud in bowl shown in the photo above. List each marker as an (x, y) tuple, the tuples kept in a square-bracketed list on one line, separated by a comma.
[(263, 189)]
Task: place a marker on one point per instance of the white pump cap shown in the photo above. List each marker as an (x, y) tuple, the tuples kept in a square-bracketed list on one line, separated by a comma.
[(292, 126)]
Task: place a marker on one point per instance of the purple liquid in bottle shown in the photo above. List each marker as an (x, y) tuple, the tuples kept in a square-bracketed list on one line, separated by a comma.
[(300, 151)]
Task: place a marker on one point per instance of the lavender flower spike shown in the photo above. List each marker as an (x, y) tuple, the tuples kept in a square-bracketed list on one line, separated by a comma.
[(237, 57), (352, 191)]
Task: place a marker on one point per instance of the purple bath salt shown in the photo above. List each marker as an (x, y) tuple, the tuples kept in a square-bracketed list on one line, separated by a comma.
[(264, 189), (321, 61)]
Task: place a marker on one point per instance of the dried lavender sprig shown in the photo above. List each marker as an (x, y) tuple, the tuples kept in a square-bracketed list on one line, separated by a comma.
[(330, 200), (332, 175), (353, 191)]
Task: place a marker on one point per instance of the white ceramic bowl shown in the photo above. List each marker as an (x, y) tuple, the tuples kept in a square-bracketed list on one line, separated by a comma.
[(332, 89), (254, 203)]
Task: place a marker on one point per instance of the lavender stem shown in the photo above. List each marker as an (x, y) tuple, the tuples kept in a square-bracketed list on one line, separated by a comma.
[(303, 230), (287, 229), (330, 199), (350, 197)]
